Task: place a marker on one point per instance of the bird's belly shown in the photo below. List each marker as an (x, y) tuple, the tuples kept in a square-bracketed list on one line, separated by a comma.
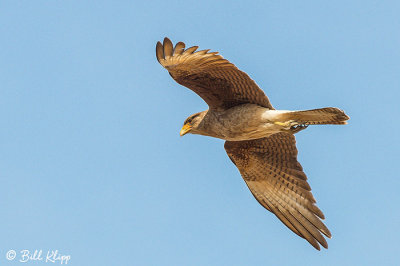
[(249, 133), (244, 122)]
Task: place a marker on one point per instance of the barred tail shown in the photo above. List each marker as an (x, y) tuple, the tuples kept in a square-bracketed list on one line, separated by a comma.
[(322, 116)]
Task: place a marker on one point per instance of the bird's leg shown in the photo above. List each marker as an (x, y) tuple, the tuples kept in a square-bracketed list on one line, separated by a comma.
[(292, 126)]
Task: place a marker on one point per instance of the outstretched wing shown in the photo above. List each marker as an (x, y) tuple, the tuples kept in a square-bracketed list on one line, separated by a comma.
[(220, 83), (275, 177)]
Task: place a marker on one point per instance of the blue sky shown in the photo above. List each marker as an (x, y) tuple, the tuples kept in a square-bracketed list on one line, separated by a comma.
[(92, 165)]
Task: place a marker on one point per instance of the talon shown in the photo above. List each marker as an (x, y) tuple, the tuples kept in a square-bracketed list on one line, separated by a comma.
[(298, 128)]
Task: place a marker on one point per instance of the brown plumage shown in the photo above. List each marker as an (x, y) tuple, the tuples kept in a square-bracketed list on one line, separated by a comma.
[(321, 116), (260, 140), (275, 177), (204, 72)]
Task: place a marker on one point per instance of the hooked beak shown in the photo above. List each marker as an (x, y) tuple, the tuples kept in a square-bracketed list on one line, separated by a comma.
[(185, 129)]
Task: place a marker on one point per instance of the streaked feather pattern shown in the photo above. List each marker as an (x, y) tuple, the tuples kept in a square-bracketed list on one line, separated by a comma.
[(268, 165), (220, 83), (270, 169)]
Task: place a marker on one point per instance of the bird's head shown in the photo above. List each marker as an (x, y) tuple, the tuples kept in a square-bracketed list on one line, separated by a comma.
[(192, 123)]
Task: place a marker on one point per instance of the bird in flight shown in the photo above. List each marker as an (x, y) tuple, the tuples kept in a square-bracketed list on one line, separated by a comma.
[(258, 139)]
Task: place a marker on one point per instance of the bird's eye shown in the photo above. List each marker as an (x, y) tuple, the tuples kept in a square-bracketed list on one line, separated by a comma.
[(190, 119)]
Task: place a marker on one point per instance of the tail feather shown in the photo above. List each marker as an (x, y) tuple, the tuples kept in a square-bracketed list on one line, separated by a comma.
[(322, 116)]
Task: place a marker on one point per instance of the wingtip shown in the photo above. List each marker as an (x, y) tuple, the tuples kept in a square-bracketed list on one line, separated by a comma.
[(168, 47), (179, 48), (159, 52), (166, 39), (313, 242), (317, 245), (190, 50)]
